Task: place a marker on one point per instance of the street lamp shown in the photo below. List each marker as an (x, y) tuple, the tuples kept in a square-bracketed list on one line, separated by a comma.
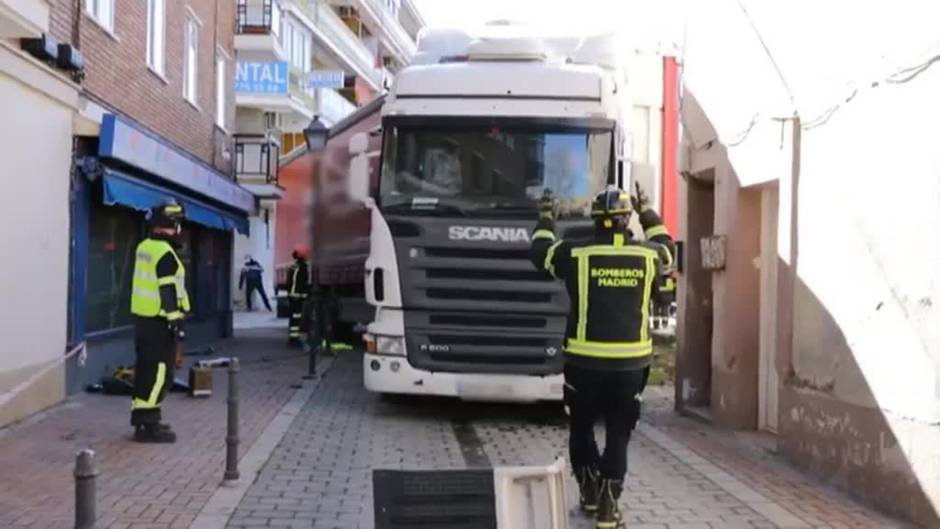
[(315, 135)]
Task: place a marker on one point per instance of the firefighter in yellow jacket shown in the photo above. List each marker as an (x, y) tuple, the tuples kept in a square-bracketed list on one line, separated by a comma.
[(159, 303), (611, 280)]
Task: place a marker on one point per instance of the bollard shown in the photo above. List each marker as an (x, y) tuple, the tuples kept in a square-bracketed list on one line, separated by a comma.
[(85, 474), (231, 437), (311, 360)]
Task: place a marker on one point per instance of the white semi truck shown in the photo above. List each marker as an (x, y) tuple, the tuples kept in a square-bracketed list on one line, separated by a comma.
[(472, 134)]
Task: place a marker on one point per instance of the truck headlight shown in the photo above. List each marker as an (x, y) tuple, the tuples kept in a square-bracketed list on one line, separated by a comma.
[(390, 345)]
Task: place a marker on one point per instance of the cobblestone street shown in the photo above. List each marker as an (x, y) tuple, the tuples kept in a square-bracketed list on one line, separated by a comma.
[(320, 475), (154, 486)]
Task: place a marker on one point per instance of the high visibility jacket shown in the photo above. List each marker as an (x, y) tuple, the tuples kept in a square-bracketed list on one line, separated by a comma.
[(149, 283), (610, 280)]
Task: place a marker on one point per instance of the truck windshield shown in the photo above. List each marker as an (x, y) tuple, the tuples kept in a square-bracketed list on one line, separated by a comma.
[(493, 170)]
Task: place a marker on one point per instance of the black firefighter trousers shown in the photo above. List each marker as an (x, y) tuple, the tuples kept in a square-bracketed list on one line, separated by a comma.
[(295, 323), (155, 347), (613, 396)]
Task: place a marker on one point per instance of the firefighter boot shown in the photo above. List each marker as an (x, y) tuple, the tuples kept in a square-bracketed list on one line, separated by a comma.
[(154, 433), (608, 507), (588, 483)]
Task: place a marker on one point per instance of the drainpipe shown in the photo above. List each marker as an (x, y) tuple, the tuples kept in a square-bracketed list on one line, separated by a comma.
[(670, 143)]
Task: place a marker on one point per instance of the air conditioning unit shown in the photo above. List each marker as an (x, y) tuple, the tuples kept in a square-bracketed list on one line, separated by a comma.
[(273, 121)]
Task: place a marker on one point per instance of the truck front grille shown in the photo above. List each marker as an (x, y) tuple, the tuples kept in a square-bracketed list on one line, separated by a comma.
[(478, 307)]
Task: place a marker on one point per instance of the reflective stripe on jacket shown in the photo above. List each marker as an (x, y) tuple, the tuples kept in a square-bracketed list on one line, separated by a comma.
[(610, 281)]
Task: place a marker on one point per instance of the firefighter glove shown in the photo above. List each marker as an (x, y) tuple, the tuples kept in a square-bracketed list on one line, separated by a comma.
[(177, 331), (547, 206), (640, 200)]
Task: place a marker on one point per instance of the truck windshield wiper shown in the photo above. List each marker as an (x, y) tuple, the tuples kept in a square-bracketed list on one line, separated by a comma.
[(435, 209), (507, 209)]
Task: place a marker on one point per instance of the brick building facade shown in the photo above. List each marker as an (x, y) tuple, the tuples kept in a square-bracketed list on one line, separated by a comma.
[(118, 75), (153, 128)]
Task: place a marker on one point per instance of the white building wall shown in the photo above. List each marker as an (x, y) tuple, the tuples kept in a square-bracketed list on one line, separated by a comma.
[(861, 401), (260, 245), (34, 209), (36, 148)]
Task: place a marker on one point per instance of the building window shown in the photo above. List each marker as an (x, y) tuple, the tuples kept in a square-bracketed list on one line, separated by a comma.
[(287, 35), (276, 18), (102, 11), (190, 60), (394, 6), (308, 52), (220, 86), (156, 32), (113, 236), (297, 45)]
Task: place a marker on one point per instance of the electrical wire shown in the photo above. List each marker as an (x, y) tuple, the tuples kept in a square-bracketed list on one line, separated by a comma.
[(739, 139), (743, 135), (904, 75), (912, 72), (773, 60)]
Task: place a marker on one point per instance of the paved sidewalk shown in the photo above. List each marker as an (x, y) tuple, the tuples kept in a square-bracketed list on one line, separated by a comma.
[(319, 477), (751, 458), (142, 486)]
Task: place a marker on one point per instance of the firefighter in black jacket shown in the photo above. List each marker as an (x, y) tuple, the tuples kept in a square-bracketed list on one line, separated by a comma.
[(159, 303), (611, 281), (655, 232), (298, 284)]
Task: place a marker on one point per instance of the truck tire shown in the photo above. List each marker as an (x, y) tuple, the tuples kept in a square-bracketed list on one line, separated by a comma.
[(344, 331)]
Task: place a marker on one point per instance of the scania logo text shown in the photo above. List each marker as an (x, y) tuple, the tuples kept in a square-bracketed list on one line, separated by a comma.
[(488, 233)]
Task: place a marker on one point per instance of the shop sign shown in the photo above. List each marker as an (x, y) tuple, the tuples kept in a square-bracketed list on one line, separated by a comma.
[(261, 78), (123, 141), (326, 79)]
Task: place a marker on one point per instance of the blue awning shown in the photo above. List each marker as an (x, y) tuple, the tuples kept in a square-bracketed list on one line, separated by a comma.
[(135, 193)]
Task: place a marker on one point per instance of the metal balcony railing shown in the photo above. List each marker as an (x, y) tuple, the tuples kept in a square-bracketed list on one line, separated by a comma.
[(254, 17), (300, 90), (389, 24), (333, 106), (257, 157), (338, 34)]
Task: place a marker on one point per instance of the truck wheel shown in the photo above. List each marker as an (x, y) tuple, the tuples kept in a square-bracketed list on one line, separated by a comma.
[(344, 331)]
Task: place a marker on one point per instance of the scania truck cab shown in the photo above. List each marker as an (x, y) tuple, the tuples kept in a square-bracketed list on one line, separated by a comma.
[(473, 135)]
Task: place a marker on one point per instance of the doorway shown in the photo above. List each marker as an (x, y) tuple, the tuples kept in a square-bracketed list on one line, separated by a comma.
[(694, 365)]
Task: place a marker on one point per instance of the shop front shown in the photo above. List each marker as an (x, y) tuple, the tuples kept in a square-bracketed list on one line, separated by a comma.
[(121, 174)]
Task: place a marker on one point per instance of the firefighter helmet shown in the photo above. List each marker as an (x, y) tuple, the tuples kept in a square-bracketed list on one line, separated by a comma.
[(301, 251), (166, 215), (611, 203)]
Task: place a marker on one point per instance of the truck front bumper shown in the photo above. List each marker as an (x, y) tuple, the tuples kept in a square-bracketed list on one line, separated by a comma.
[(393, 374)]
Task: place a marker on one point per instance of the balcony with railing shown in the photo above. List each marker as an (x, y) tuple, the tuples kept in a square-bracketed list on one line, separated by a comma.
[(300, 90), (333, 106), (257, 25), (393, 34), (332, 32), (257, 163)]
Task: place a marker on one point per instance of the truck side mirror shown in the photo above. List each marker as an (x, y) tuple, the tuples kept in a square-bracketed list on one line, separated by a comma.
[(359, 143), (358, 181)]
